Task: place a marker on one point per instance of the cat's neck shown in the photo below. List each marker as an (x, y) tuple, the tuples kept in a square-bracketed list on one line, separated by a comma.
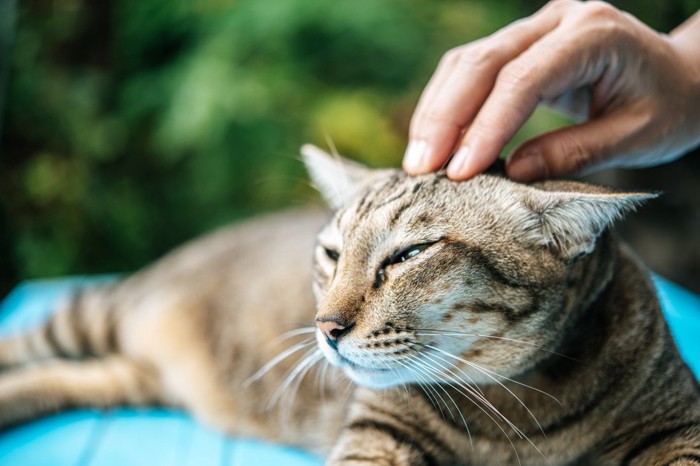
[(616, 308), (591, 276), (590, 282), (605, 312)]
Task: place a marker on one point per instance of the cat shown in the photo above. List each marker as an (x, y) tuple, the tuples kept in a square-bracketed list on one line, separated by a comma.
[(477, 323)]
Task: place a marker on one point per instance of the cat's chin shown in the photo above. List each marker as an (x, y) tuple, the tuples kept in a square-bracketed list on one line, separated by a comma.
[(371, 378), (366, 376)]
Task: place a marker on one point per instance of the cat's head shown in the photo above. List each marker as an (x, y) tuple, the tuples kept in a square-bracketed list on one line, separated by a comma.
[(422, 279)]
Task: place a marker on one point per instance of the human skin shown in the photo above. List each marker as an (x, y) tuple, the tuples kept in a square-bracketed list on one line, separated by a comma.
[(636, 93)]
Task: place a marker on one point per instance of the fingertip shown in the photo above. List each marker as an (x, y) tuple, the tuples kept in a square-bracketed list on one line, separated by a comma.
[(467, 163), (459, 168), (414, 160), (423, 157), (528, 165)]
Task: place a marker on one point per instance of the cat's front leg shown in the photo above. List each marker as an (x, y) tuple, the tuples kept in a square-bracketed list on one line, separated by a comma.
[(676, 443), (375, 443), (679, 446), (391, 428)]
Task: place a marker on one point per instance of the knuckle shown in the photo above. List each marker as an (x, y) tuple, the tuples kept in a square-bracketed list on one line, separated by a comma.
[(559, 5), (478, 55), (486, 53), (598, 10), (483, 128), (435, 117), (428, 121), (450, 57), (435, 129), (515, 76), (577, 156), (601, 22)]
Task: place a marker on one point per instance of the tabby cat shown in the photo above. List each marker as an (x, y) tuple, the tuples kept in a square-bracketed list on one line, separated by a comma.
[(481, 323)]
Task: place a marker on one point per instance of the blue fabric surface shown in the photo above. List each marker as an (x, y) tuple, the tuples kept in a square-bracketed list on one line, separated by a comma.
[(124, 436), (682, 311), (170, 438)]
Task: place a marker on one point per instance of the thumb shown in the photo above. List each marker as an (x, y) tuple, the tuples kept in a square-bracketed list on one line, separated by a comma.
[(571, 150)]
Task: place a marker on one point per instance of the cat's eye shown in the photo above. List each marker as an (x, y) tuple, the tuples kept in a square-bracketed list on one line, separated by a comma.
[(400, 256), (332, 254), (409, 252)]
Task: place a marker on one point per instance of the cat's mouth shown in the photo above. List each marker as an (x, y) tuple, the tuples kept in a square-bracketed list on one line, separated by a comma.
[(345, 362), (361, 373), (373, 377)]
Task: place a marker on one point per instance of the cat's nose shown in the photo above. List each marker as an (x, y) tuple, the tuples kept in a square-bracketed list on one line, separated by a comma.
[(333, 330)]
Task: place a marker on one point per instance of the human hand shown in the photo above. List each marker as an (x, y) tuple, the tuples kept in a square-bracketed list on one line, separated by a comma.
[(637, 90)]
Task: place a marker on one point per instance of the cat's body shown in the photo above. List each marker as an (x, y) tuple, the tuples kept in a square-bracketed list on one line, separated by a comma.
[(489, 338), (188, 331)]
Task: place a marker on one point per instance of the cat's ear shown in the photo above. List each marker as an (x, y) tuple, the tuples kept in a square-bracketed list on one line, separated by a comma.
[(337, 179), (570, 222)]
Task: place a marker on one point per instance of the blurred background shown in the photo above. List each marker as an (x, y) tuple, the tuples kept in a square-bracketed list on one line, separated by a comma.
[(130, 126)]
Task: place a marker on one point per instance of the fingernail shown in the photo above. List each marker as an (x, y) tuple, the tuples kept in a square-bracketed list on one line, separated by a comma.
[(459, 163), (526, 166), (414, 161)]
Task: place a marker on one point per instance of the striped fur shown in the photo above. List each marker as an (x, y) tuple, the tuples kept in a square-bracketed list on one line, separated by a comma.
[(486, 323)]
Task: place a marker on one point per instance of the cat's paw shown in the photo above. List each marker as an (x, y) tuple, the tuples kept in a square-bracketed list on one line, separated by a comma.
[(363, 461), (377, 459)]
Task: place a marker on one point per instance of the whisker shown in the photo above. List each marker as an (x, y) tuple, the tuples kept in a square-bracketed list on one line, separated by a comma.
[(399, 376), (331, 144), (420, 186), (478, 395), (486, 372), (427, 379), (348, 388), (425, 387), (294, 388), (469, 380), (454, 334), (310, 357), (493, 374), (289, 394), (276, 360), (295, 332), (495, 421), (489, 373), (422, 386), (429, 369), (458, 387), (321, 379)]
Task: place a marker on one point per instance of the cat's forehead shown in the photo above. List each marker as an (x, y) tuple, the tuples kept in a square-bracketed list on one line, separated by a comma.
[(421, 204), (396, 189)]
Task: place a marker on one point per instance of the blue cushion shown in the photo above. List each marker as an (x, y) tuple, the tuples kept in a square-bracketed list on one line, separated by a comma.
[(122, 436), (682, 311), (157, 436)]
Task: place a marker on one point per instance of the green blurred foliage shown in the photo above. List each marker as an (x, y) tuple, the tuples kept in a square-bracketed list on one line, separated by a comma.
[(133, 125)]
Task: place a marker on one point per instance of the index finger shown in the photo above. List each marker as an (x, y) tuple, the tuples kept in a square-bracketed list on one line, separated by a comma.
[(462, 82), (549, 67)]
